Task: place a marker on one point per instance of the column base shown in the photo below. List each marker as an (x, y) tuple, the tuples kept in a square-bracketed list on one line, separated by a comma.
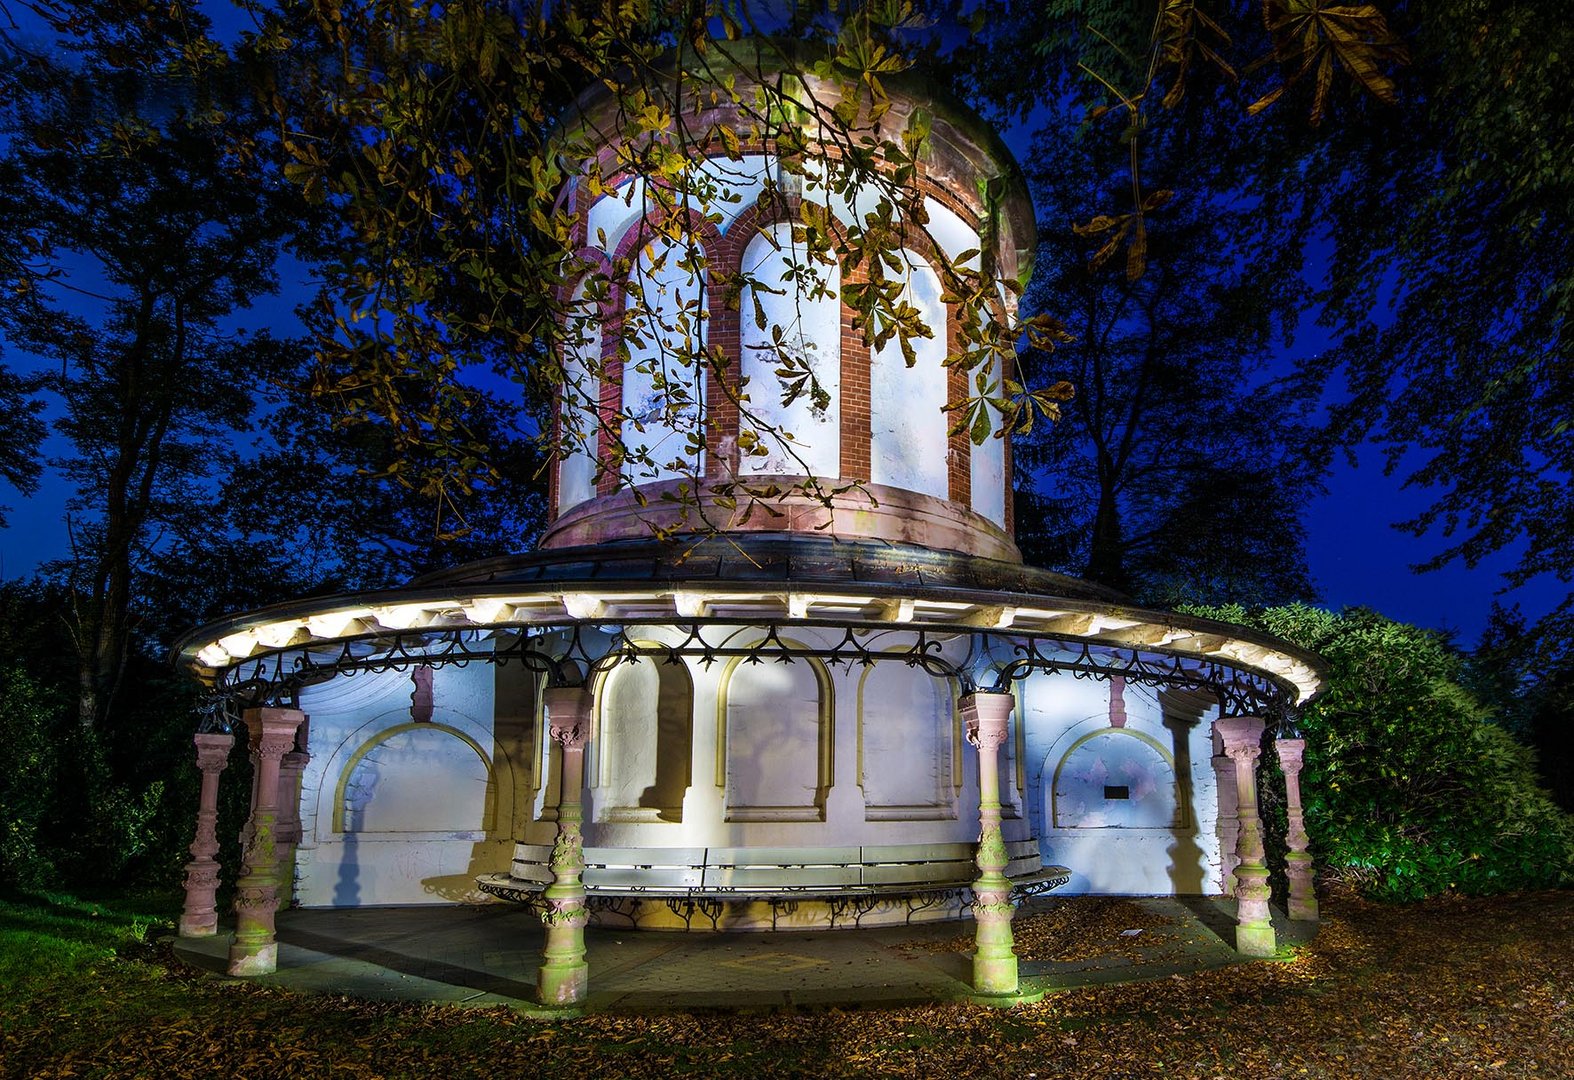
[(199, 925), (1256, 939), (563, 985), (1006, 1001), (995, 975), (1303, 910), (254, 959)]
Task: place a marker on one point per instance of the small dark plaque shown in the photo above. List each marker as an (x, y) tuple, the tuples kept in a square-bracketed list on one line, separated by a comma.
[(1121, 792)]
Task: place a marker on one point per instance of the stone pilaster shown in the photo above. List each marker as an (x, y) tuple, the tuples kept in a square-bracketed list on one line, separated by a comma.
[(289, 829), (1254, 934), (1298, 868), (254, 951), (1228, 828), (200, 918), (994, 961), (564, 977)]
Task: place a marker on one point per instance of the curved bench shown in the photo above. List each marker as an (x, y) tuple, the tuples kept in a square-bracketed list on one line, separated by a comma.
[(699, 882)]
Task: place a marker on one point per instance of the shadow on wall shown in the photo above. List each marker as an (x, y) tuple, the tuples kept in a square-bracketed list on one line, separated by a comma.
[(1187, 866)]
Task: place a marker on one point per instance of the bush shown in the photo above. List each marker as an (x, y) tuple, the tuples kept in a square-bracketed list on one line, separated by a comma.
[(1410, 789), (31, 720)]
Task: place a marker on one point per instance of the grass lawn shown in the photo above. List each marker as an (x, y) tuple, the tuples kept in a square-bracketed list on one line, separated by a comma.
[(1441, 989)]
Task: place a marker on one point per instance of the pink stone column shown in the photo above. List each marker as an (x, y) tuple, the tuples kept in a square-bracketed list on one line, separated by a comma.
[(254, 951), (1254, 934), (1298, 863), (994, 959), (200, 918), (564, 977), (1229, 826)]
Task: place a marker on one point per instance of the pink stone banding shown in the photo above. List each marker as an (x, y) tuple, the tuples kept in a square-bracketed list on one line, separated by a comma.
[(866, 512)]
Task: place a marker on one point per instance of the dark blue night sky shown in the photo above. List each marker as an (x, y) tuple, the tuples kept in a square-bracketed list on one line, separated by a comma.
[(1356, 556)]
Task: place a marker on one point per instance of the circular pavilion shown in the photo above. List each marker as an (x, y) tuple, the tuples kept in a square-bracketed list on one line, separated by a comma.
[(839, 699)]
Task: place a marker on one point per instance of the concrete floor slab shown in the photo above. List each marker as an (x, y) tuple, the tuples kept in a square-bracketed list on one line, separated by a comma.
[(488, 955)]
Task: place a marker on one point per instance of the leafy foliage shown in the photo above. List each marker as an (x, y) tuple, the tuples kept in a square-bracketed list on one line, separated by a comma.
[(1178, 472), (457, 146), (1438, 989), (1461, 215), (1410, 790), (147, 222)]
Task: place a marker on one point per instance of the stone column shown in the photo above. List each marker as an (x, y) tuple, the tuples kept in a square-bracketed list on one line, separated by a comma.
[(994, 961), (200, 919), (254, 951), (564, 978), (1228, 828), (1254, 935), (1298, 868)]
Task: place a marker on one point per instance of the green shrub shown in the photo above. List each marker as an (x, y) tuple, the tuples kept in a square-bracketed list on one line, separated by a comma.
[(1410, 789), (31, 719)]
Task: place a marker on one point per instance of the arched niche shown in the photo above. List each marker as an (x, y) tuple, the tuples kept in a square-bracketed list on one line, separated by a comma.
[(907, 447), (417, 778), (644, 741), (1116, 778), (905, 727), (666, 326), (776, 739), (580, 404), (804, 322)]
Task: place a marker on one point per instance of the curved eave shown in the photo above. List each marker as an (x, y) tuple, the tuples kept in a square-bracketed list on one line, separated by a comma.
[(208, 651)]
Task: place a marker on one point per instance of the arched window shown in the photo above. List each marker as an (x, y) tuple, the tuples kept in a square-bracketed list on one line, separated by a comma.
[(804, 323), (579, 405), (907, 446), (663, 397)]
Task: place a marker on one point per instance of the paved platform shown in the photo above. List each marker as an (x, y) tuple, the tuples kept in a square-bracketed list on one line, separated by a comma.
[(488, 955)]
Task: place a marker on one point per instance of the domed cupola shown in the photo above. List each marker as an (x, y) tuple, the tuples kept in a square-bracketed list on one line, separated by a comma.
[(715, 378)]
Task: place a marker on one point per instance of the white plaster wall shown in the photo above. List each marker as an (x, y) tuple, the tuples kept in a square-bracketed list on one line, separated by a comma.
[(1108, 856), (905, 729), (808, 321), (671, 325), (778, 765), (377, 851), (907, 447)]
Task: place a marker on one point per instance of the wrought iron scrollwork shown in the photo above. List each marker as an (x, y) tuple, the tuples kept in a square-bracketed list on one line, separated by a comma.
[(572, 652)]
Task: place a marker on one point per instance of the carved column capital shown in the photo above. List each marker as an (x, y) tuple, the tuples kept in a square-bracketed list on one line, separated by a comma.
[(1242, 737), (569, 716), (985, 717), (213, 750), (1292, 753), (273, 731)]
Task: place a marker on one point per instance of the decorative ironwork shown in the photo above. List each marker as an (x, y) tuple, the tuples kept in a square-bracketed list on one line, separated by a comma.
[(571, 653)]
